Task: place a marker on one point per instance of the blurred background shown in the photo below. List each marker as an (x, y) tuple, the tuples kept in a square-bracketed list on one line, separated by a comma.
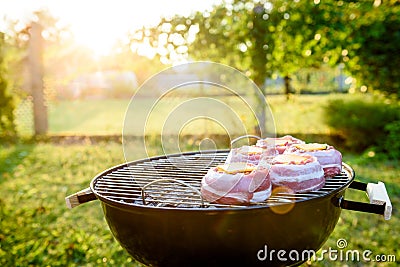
[(328, 69), (78, 58)]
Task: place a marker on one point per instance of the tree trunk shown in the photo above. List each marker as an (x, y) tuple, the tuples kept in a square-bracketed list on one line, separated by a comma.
[(35, 52), (261, 115), (260, 129), (287, 86), (258, 59)]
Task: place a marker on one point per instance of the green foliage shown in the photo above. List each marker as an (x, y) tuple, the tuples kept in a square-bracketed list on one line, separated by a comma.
[(361, 122), (254, 37), (259, 37), (391, 143), (7, 126), (278, 36), (373, 45)]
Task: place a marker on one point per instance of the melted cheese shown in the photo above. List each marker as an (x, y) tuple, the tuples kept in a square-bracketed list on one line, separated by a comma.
[(236, 167), (290, 159), (251, 150), (311, 147), (280, 142), (277, 142)]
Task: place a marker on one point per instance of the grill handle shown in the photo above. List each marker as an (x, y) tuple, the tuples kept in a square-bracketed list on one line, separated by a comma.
[(80, 197), (378, 198), (244, 136)]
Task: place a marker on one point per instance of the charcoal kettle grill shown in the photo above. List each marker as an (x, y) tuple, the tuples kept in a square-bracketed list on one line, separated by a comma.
[(155, 211)]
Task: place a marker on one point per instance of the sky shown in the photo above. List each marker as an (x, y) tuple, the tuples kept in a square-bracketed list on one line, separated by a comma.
[(97, 24)]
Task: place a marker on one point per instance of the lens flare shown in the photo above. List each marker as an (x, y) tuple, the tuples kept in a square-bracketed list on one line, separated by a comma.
[(198, 106)]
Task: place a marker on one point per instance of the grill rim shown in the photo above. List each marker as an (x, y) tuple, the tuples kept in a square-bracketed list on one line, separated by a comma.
[(129, 206)]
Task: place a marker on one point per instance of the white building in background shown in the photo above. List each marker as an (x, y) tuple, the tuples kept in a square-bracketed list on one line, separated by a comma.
[(103, 84)]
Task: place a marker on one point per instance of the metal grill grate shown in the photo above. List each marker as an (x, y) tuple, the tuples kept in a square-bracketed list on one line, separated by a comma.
[(174, 181)]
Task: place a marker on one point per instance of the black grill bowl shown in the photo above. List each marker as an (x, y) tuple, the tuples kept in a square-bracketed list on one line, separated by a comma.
[(154, 212), (214, 235), (222, 237)]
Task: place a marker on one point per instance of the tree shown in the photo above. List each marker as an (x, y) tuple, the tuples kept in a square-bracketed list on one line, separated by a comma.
[(264, 38), (7, 106), (260, 38), (25, 48), (373, 45)]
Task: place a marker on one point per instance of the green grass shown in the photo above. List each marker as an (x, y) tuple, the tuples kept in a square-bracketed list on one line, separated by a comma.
[(36, 229), (301, 114), (87, 117)]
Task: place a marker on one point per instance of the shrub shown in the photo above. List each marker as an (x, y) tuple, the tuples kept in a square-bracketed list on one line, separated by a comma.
[(362, 122), (391, 143), (7, 125)]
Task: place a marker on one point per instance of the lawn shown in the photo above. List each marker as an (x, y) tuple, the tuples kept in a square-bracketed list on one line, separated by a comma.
[(36, 229), (301, 114)]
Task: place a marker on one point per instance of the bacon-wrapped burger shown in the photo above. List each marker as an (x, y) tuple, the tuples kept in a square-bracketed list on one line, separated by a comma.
[(300, 173), (329, 158), (236, 183), (280, 143)]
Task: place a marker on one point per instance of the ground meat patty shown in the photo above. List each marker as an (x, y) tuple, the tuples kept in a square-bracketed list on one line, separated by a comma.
[(224, 185)]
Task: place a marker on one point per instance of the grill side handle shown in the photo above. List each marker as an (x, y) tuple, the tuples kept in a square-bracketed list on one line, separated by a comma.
[(79, 198), (379, 202)]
